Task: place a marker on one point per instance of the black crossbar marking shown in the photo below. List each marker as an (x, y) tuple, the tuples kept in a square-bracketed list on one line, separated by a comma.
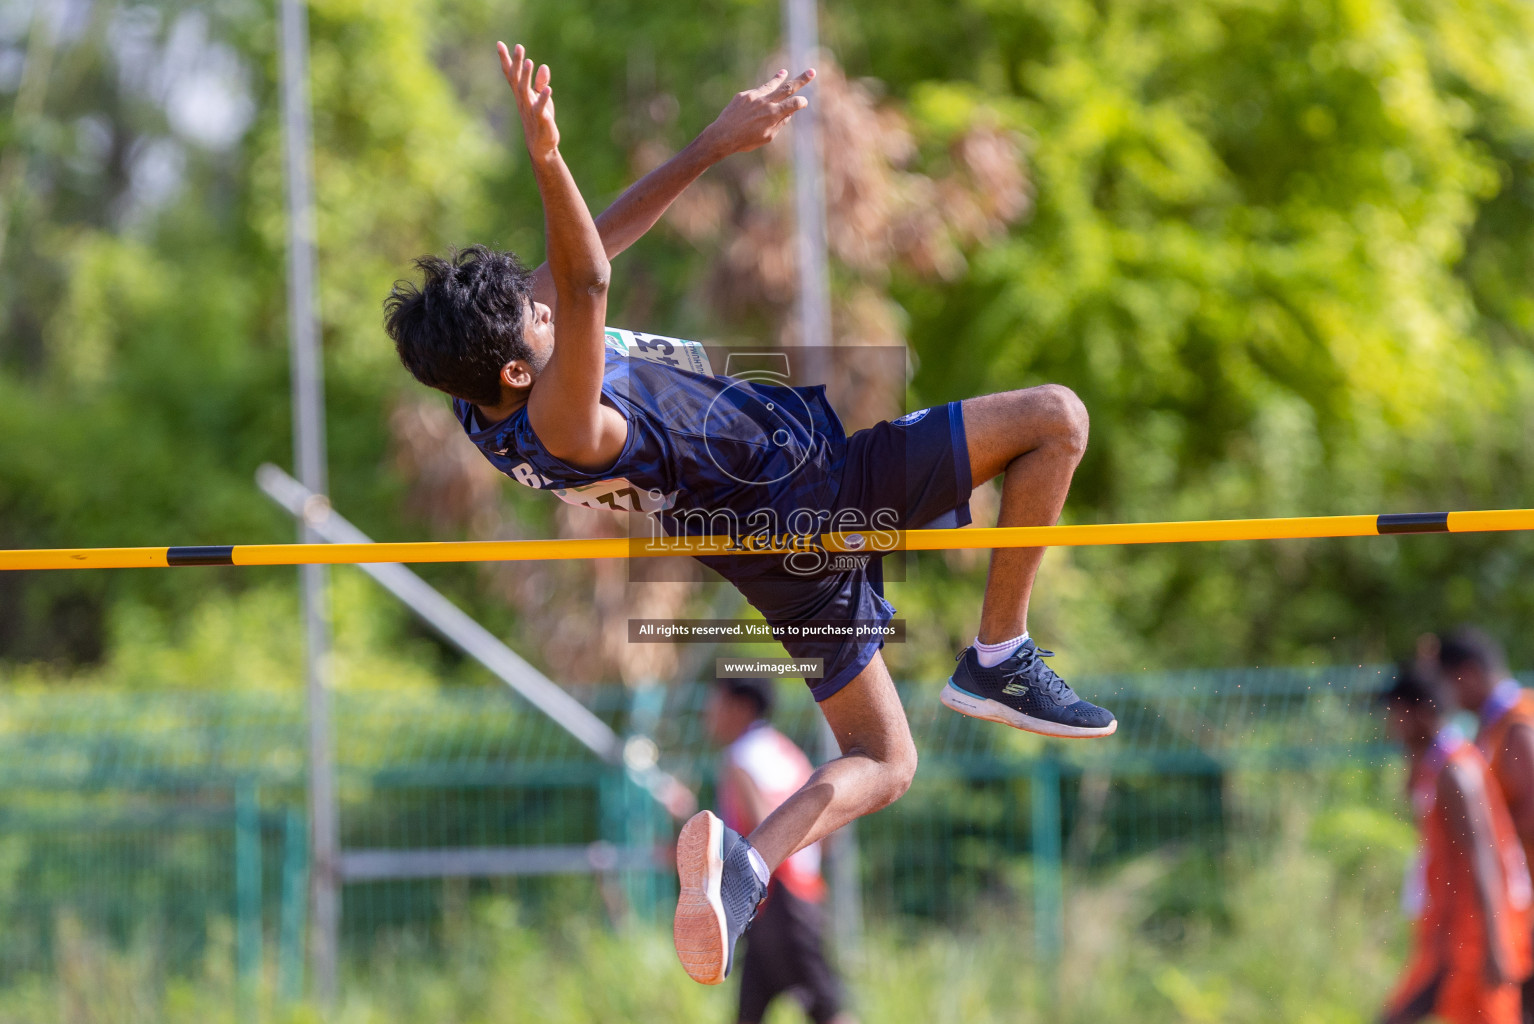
[(217, 554), (1413, 522)]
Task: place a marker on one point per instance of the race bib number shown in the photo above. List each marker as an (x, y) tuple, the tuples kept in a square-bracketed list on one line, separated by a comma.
[(616, 495), (684, 355)]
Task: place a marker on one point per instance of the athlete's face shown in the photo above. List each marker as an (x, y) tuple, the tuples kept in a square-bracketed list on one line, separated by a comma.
[(538, 336), (538, 333)]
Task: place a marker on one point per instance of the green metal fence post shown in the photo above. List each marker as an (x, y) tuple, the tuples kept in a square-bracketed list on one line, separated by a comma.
[(247, 885), (295, 889), (646, 823), (625, 817), (1048, 886), (612, 788), (643, 820)]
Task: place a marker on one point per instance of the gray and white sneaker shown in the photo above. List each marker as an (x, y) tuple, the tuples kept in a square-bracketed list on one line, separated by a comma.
[(1024, 693), (720, 894)]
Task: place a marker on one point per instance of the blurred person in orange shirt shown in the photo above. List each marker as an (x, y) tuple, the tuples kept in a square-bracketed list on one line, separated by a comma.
[(1470, 889), (1475, 668), (759, 768)]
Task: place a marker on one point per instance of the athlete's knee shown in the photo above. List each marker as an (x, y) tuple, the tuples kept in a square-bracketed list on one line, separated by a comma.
[(1065, 416), (899, 768), (904, 775)]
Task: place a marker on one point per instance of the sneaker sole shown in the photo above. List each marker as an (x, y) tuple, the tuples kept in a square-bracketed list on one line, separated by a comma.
[(699, 928), (995, 711)]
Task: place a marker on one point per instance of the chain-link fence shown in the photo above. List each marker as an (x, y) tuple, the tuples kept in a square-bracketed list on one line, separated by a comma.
[(173, 822)]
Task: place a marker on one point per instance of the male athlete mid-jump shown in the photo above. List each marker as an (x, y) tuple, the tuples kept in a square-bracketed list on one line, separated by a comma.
[(557, 401)]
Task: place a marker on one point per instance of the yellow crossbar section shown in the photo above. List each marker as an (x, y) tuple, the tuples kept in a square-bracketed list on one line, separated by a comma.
[(869, 542)]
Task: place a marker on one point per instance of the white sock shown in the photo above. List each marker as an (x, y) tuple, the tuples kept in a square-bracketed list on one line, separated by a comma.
[(991, 655), (758, 865)]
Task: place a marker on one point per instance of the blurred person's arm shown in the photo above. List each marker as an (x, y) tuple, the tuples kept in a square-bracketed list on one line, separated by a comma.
[(1517, 755), (565, 406), (1467, 812), (753, 805), (752, 119)]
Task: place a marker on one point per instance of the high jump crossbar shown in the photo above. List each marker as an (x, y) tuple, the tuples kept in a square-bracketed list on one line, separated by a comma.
[(862, 542)]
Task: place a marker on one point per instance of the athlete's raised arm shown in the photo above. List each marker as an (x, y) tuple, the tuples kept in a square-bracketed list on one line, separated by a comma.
[(565, 404), (752, 119)]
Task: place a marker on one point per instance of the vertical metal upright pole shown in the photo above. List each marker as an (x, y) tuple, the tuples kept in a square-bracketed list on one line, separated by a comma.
[(309, 457), (799, 24)]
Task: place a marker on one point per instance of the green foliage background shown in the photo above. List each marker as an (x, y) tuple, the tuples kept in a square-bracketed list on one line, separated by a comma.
[(1284, 249)]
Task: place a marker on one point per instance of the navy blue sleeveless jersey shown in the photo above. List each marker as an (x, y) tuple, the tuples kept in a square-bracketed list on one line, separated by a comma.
[(705, 454), (748, 456)]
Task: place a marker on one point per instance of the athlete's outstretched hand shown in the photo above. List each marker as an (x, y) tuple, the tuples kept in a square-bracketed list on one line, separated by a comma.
[(755, 117), (535, 99)]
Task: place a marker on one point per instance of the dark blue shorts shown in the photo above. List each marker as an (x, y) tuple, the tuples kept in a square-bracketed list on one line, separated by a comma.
[(913, 473)]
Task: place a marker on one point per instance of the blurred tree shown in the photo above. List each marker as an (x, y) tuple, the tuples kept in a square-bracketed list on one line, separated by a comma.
[(1282, 252), (144, 338)]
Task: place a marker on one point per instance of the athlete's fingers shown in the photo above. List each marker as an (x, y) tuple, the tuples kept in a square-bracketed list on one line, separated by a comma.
[(543, 104), (789, 88), (506, 65), (511, 67), (542, 79), (767, 87), (789, 107), (520, 88)]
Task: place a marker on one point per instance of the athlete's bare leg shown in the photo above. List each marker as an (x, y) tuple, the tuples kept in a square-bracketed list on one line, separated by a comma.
[(720, 888), (876, 767), (1036, 437)]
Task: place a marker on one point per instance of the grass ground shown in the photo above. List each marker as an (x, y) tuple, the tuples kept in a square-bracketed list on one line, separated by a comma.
[(1301, 929)]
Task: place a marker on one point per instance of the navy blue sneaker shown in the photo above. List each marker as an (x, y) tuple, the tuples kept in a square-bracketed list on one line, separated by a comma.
[(1024, 693), (719, 897)]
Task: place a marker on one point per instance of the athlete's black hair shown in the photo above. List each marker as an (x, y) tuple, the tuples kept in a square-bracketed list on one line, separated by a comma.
[(1470, 646), (1412, 687), (758, 691), (464, 322)]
